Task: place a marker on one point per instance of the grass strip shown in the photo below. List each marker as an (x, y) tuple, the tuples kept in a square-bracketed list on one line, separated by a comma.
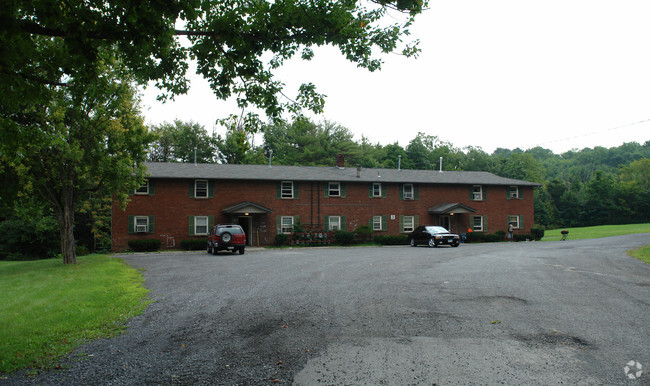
[(596, 231), (47, 308), (642, 254)]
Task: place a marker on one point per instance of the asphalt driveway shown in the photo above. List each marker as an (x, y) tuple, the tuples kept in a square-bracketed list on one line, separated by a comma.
[(514, 313)]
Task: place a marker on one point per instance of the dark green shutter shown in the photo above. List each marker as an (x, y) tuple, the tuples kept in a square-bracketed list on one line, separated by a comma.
[(210, 189), (485, 225), (152, 224), (471, 192), (295, 190), (401, 191), (416, 192), (327, 189), (401, 224), (191, 228), (296, 220), (326, 223), (131, 225), (371, 190), (520, 190), (384, 223), (484, 191), (151, 188), (383, 191), (278, 224), (521, 221), (191, 188), (416, 221), (343, 224), (210, 223), (342, 187)]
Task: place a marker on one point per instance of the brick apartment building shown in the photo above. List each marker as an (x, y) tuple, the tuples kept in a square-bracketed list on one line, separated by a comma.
[(182, 201)]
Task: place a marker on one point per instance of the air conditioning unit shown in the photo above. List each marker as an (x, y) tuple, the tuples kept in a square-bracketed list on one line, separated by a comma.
[(141, 228), (477, 196)]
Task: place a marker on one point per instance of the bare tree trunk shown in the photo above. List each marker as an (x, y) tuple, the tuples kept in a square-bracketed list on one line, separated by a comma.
[(65, 217)]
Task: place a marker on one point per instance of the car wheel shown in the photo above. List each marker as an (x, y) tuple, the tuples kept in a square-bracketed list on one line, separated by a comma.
[(215, 250), (413, 243), (209, 249), (241, 250), (432, 243), (455, 244), (226, 237)]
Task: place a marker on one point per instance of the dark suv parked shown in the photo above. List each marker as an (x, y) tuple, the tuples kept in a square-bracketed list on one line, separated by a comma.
[(229, 237)]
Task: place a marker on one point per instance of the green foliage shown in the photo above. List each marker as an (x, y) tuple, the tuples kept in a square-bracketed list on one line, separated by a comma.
[(642, 254), (392, 240), (523, 237), (580, 233), (176, 142), (193, 244), (481, 237), (344, 237), (281, 239), (66, 305), (30, 232), (144, 245), (538, 233)]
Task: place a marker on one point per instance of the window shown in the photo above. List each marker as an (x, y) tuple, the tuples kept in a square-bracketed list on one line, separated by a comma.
[(408, 192), (516, 221), (286, 224), (334, 223), (376, 189), (201, 225), (334, 189), (477, 193), (286, 189), (144, 189), (201, 188), (513, 192), (408, 223), (377, 223), (141, 224), (477, 223)]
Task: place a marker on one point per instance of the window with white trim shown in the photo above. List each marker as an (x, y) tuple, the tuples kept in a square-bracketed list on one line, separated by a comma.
[(477, 224), (513, 192), (377, 223), (286, 224), (334, 189), (141, 224), (477, 193), (376, 189), (201, 225), (514, 220), (201, 188), (334, 223), (286, 189), (144, 189), (408, 192), (408, 223)]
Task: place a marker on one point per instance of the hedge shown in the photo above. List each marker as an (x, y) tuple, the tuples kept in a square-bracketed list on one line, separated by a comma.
[(144, 245), (392, 240), (194, 244)]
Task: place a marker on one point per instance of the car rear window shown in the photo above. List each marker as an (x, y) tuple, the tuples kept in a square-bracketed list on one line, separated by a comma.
[(234, 230)]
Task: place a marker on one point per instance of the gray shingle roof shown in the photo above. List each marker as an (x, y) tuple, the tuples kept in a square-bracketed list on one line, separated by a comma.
[(323, 174)]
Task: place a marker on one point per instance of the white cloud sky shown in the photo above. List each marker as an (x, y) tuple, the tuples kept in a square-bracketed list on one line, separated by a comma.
[(561, 74)]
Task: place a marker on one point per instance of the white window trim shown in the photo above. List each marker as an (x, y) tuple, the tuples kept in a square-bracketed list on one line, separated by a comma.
[(480, 228), (477, 196), (334, 223), (140, 228), (338, 189), (144, 192), (410, 195), (282, 225), (282, 190), (196, 225), (376, 189), (516, 192), (377, 223), (196, 189), (514, 219), (405, 228)]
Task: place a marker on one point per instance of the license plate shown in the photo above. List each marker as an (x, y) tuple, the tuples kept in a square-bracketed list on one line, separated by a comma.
[(231, 247)]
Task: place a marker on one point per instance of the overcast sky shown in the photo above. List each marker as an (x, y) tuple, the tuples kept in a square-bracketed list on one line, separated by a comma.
[(561, 74)]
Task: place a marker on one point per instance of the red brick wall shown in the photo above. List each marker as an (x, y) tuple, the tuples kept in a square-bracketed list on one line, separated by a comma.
[(171, 205)]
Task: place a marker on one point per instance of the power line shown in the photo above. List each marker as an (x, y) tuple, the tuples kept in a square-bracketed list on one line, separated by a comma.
[(594, 132)]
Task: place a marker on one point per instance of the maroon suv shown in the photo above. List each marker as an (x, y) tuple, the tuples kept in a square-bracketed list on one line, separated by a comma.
[(228, 237)]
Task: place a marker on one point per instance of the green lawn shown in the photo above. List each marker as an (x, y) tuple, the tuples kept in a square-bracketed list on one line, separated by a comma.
[(596, 232), (642, 254), (48, 308)]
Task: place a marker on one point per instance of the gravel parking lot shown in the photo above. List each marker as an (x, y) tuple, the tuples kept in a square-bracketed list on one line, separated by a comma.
[(514, 313)]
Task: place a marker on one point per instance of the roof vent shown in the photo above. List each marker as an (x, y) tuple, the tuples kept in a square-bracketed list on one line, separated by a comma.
[(358, 171), (440, 165)]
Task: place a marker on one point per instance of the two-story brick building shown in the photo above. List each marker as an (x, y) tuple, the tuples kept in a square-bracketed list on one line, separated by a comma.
[(182, 201)]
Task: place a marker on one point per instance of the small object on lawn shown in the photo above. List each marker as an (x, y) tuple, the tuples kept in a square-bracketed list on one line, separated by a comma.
[(564, 233)]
